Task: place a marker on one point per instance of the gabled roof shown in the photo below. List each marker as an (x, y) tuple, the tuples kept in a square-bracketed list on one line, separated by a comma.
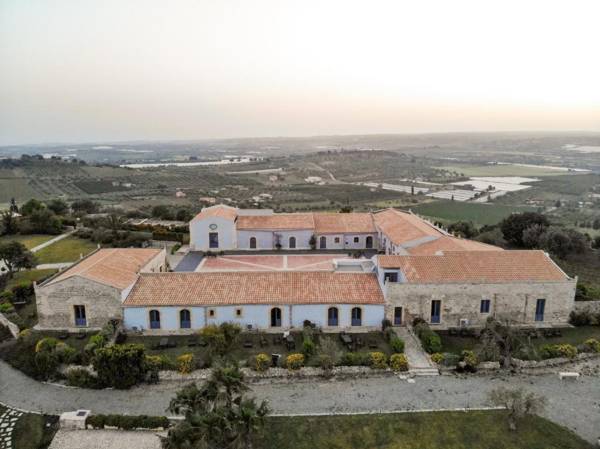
[(339, 223), (402, 227), (447, 244), (220, 210), (292, 287), (276, 222), (117, 267), (476, 267)]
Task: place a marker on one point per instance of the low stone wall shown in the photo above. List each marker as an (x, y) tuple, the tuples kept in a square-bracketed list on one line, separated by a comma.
[(339, 372), (553, 362), (587, 306), (12, 327)]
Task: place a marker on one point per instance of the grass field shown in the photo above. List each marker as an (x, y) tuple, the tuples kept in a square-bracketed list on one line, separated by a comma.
[(436, 430), (66, 250), (32, 431), (585, 266), (501, 170), (478, 213), (30, 241)]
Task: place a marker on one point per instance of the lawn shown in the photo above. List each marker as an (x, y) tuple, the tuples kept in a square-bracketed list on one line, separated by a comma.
[(478, 213), (434, 430), (66, 250), (585, 266), (241, 353), (33, 431), (29, 276), (30, 241)]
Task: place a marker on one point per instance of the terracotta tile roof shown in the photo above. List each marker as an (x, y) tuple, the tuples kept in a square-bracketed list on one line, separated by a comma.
[(446, 244), (221, 211), (344, 223), (117, 267), (402, 227), (276, 221), (292, 287), (476, 266)]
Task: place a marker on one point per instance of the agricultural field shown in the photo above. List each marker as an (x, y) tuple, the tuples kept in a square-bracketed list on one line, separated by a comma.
[(434, 430), (479, 213), (501, 170)]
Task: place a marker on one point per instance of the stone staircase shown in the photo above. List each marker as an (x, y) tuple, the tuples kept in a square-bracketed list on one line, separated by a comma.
[(419, 363)]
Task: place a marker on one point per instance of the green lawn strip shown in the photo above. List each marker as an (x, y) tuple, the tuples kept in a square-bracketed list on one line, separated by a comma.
[(34, 431), (434, 430), (30, 241), (479, 213), (68, 249)]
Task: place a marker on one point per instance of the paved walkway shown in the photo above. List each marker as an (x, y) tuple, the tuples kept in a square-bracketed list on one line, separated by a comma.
[(418, 360), (56, 266), (8, 420), (575, 404), (51, 241)]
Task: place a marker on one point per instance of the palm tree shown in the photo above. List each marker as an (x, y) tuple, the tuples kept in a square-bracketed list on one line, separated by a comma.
[(228, 382), (249, 421)]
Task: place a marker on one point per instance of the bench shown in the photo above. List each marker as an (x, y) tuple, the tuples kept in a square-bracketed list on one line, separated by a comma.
[(568, 375)]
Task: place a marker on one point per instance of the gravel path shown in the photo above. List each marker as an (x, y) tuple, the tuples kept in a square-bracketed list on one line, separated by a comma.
[(574, 404)]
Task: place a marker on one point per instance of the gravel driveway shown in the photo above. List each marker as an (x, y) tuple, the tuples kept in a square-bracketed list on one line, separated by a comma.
[(574, 404)]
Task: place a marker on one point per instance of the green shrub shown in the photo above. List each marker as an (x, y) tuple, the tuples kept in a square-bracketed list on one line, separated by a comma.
[(559, 350), (469, 358), (294, 361), (397, 345), (186, 363), (262, 362), (127, 422), (120, 366), (430, 340), (308, 347), (6, 296), (159, 362), (6, 307), (399, 362), (221, 338), (437, 357), (582, 318), (23, 291), (450, 359), (65, 353), (592, 345), (80, 377), (325, 361), (378, 360), (355, 359)]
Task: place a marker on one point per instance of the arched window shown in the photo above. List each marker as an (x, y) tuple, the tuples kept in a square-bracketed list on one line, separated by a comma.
[(252, 242), (185, 319), (356, 316), (154, 319), (369, 242), (332, 316), (292, 244), (323, 242), (275, 317)]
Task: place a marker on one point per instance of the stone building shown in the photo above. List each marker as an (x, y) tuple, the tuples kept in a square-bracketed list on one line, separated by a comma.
[(463, 289), (91, 292)]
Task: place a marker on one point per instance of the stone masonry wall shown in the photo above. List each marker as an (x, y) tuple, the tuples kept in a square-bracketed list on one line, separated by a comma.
[(55, 303), (587, 306), (515, 301)]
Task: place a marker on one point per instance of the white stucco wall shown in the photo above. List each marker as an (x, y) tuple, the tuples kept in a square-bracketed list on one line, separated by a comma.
[(259, 316), (267, 239), (199, 230)]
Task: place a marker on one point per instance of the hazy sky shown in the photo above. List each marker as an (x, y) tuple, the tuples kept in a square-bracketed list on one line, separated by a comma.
[(116, 70)]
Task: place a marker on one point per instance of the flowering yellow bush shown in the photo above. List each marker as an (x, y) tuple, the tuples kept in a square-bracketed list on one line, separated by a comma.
[(437, 357), (263, 362), (294, 361), (399, 362), (592, 344), (378, 360), (185, 363)]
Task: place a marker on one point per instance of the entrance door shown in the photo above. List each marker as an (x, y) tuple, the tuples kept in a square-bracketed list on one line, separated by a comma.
[(323, 242), (213, 239), (369, 242), (540, 306), (436, 307), (397, 316), (275, 317)]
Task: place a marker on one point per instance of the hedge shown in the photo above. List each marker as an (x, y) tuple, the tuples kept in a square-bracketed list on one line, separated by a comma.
[(127, 422), (430, 340)]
